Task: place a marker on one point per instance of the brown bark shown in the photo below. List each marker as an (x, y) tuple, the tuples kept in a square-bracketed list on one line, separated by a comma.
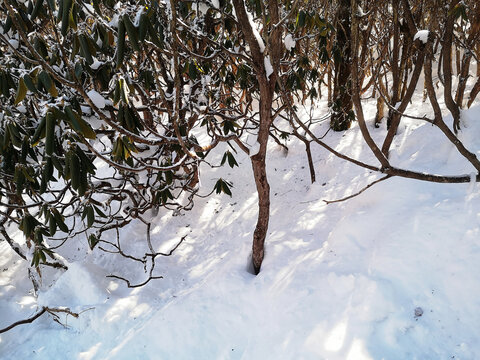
[(356, 93), (438, 121), (341, 118), (462, 84), (266, 89), (380, 111), (474, 92), (447, 67), (406, 99), (477, 52), (329, 82), (396, 74)]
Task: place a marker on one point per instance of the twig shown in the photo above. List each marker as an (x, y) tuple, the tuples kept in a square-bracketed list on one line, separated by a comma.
[(152, 267), (359, 192), (171, 251), (136, 285), (51, 311)]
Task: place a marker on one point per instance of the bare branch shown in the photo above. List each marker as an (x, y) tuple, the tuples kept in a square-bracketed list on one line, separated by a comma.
[(359, 192)]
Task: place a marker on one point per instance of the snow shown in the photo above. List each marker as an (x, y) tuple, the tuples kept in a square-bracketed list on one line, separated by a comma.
[(138, 15), (96, 64), (76, 289), (254, 148), (422, 35), (200, 7), (97, 99), (289, 42), (268, 66), (114, 22), (389, 274), (14, 43), (257, 35)]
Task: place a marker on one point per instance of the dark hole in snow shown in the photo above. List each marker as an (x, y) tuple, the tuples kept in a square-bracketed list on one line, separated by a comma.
[(418, 312)]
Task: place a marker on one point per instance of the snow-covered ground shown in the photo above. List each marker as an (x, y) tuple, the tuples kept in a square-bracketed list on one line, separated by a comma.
[(339, 281)]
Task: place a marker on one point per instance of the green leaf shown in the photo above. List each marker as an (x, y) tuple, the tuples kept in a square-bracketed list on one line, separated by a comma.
[(90, 216), (132, 33), (301, 19), (231, 160), (142, 27), (79, 125), (192, 71), (48, 84), (29, 83), (52, 225), (92, 241), (66, 10), (59, 219), (36, 9), (120, 43), (223, 186), (50, 133), (21, 91), (99, 212), (85, 49)]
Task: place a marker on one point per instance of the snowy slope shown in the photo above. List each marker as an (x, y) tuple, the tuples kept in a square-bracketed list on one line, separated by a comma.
[(339, 281)]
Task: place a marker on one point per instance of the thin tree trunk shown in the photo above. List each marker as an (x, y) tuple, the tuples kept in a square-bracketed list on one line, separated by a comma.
[(356, 92), (447, 67), (263, 190), (267, 90), (342, 92), (406, 99), (438, 121), (396, 74), (462, 82), (477, 52), (329, 84), (380, 111)]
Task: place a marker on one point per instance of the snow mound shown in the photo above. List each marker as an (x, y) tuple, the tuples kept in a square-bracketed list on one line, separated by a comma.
[(76, 287)]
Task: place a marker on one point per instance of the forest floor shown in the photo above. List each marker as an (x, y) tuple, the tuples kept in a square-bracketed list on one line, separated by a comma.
[(393, 273)]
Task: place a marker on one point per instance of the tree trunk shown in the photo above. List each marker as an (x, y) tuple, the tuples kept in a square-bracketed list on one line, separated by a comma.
[(342, 87), (267, 90), (477, 52), (263, 191), (396, 73), (447, 67), (406, 99), (462, 84)]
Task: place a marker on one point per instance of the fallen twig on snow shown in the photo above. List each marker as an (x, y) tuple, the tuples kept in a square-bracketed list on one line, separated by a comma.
[(45, 309)]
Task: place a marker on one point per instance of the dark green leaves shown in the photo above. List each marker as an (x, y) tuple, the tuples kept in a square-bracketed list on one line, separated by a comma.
[(228, 156), (66, 13), (85, 48), (120, 43), (301, 19), (132, 32), (78, 124), (223, 186), (50, 133), (92, 241)]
